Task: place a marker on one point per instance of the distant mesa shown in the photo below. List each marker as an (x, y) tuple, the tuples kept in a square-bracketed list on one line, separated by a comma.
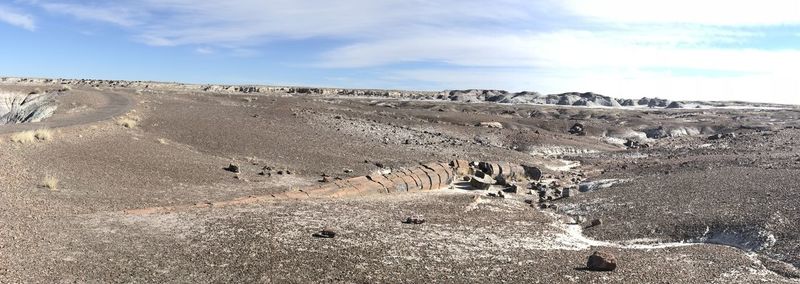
[(577, 99)]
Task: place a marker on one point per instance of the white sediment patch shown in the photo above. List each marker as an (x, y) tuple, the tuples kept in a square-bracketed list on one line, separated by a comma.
[(571, 237), (598, 184), (749, 239), (23, 108), (562, 165), (560, 151)]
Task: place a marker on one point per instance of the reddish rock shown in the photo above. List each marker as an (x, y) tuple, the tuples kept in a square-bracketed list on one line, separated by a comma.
[(601, 261)]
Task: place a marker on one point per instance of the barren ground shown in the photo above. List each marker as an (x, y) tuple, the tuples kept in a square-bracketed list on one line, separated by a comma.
[(688, 209)]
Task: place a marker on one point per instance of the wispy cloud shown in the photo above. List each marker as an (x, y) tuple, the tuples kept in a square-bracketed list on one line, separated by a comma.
[(706, 12), (622, 47), (16, 18), (118, 15)]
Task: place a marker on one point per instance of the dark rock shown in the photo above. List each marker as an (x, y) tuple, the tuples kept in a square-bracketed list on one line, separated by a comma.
[(719, 136), (633, 144), (597, 222), (234, 168), (414, 220), (577, 129), (675, 105), (532, 173), (601, 261), (325, 233)]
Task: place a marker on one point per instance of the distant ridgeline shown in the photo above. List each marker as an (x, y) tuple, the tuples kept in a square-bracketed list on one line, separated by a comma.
[(493, 96)]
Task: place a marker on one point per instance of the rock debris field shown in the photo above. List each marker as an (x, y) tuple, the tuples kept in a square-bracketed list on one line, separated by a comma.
[(120, 182)]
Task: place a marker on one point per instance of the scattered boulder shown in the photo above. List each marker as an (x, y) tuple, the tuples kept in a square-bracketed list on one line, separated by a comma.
[(634, 144), (326, 233), (596, 222), (234, 168), (482, 183), (577, 129), (491, 124), (416, 220), (720, 136), (532, 173), (601, 261)]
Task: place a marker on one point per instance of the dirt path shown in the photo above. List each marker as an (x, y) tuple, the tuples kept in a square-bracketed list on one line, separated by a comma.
[(110, 104)]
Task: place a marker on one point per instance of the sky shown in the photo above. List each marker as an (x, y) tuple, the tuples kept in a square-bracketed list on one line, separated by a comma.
[(677, 49)]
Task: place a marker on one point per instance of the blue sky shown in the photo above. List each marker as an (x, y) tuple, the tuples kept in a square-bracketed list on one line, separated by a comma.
[(679, 49)]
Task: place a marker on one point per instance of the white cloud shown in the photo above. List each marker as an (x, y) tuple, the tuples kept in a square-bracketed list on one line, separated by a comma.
[(12, 17), (563, 49), (113, 14), (703, 12), (627, 48), (249, 22), (204, 50)]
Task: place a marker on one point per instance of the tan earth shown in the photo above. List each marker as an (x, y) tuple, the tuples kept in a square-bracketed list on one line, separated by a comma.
[(143, 194)]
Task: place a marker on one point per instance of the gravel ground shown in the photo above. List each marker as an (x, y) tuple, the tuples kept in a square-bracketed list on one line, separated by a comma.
[(736, 192)]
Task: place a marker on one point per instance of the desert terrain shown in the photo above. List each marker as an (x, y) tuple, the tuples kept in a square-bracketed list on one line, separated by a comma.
[(145, 182)]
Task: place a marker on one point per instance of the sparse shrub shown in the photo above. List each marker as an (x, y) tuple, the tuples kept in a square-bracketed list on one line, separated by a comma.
[(23, 137), (32, 136), (50, 183), (43, 134), (126, 122)]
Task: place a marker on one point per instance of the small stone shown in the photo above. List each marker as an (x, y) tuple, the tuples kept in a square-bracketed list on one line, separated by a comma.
[(325, 233), (579, 220), (553, 207), (414, 220), (347, 171), (577, 129), (601, 261), (234, 168), (597, 222), (491, 124)]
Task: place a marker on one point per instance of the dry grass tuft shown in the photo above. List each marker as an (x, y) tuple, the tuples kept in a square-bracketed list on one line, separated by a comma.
[(43, 134), (23, 137), (126, 122), (50, 182), (26, 137)]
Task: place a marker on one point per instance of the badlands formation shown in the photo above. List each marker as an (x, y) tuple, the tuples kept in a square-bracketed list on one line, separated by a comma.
[(117, 181)]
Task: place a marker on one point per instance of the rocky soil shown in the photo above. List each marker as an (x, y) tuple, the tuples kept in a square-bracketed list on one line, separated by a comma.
[(677, 195)]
